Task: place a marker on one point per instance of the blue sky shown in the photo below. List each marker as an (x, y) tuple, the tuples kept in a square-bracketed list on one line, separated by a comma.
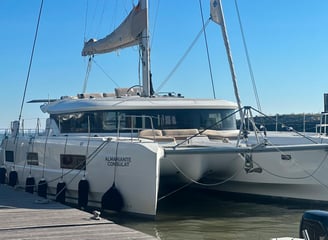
[(286, 39)]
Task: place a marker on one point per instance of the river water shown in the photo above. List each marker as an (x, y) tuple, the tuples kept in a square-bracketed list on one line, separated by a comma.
[(199, 214)]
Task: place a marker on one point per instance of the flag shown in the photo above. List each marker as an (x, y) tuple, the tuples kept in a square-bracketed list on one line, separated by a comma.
[(216, 11)]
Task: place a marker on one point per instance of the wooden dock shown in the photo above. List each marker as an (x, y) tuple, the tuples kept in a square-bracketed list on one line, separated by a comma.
[(27, 216)]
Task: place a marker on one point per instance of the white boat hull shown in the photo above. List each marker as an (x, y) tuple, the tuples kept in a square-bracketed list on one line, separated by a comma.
[(192, 163), (141, 166), (296, 172), (132, 160)]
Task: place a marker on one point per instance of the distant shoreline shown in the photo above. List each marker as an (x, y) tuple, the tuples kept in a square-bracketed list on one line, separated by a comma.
[(299, 122)]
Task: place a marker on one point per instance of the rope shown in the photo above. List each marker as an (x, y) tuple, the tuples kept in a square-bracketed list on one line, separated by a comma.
[(248, 58), (87, 74), (207, 184), (197, 182), (78, 166), (65, 147), (44, 153), (207, 51), (155, 24), (210, 127), (174, 191), (182, 58), (306, 171), (104, 72), (309, 175), (115, 167), (31, 60), (291, 129), (86, 21)]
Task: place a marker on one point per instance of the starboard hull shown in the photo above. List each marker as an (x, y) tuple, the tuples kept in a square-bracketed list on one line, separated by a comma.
[(296, 172)]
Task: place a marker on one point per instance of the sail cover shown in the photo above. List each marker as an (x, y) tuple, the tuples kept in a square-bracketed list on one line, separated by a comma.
[(216, 11), (125, 35)]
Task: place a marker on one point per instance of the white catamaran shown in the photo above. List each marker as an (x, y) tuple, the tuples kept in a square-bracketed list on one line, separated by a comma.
[(115, 150), (112, 150)]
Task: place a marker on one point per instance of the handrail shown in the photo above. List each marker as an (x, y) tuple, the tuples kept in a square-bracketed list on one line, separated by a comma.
[(322, 125), (132, 128)]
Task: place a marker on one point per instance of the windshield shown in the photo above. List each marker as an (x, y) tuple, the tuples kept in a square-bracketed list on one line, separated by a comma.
[(108, 121)]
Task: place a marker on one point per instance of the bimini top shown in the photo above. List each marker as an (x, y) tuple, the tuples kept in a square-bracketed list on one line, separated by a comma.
[(96, 102)]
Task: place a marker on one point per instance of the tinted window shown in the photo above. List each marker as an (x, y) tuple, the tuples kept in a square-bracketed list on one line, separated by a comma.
[(108, 121), (9, 156)]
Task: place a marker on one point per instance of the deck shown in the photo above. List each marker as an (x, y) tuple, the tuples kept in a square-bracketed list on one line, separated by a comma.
[(27, 216)]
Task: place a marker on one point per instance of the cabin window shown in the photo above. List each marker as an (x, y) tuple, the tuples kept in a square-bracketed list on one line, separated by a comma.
[(9, 156), (79, 122), (107, 121), (32, 158), (72, 161)]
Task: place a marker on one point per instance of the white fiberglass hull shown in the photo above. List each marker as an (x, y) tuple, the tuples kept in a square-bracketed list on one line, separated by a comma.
[(137, 166), (294, 171), (191, 163), (124, 162)]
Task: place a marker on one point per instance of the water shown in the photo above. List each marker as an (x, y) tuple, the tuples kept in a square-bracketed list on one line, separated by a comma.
[(196, 214)]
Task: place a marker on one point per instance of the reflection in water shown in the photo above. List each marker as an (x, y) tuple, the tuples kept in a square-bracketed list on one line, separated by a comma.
[(199, 214)]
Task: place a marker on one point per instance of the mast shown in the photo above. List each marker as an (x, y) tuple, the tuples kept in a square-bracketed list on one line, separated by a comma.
[(144, 44), (217, 16)]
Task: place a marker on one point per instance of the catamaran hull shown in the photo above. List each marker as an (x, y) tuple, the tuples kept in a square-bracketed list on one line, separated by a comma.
[(136, 167), (108, 161), (191, 164), (295, 172)]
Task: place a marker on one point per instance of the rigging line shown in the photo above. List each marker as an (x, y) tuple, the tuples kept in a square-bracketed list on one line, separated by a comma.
[(44, 153), (309, 175), (183, 57), (115, 167), (307, 172), (208, 184), (85, 20), (78, 165), (31, 60), (174, 191), (87, 74), (102, 69), (289, 128), (92, 19), (65, 148), (210, 127), (32, 145), (207, 51), (113, 13), (248, 58), (101, 16), (155, 23)]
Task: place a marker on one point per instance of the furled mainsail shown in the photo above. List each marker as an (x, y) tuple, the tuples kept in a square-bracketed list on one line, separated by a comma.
[(126, 35)]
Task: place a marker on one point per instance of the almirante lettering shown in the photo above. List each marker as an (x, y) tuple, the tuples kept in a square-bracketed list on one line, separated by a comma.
[(119, 161)]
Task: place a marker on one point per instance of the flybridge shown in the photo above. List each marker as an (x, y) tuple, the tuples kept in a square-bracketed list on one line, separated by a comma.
[(126, 92), (119, 92)]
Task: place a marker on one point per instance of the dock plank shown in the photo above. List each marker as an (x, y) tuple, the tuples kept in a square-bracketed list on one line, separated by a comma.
[(26, 216)]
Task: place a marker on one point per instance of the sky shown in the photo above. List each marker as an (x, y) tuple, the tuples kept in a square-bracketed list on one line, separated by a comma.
[(287, 43)]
